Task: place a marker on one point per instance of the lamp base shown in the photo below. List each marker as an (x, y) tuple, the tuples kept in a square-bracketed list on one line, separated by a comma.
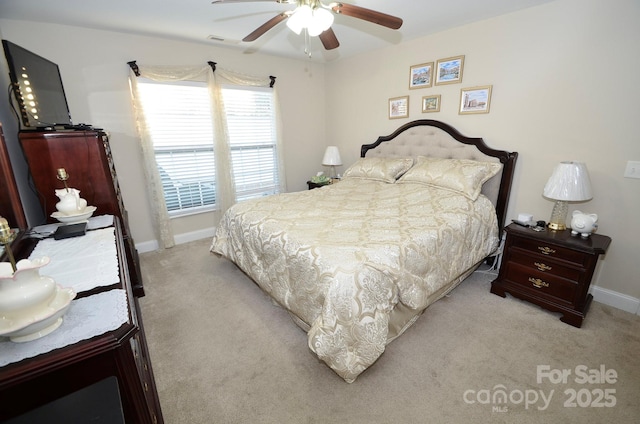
[(556, 227), (558, 219)]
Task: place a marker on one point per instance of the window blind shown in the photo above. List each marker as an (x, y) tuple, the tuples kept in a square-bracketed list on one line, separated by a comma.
[(252, 128), (178, 116)]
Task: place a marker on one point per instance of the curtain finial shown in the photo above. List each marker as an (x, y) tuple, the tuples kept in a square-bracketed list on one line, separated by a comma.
[(273, 81), (213, 65), (134, 67)]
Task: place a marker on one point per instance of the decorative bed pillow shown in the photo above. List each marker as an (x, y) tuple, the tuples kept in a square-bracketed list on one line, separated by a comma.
[(380, 169), (464, 176)]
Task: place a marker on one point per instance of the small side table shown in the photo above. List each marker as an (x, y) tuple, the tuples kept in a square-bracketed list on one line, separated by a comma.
[(551, 269)]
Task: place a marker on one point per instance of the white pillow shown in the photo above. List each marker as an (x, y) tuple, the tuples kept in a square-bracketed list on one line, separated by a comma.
[(380, 169), (460, 175)]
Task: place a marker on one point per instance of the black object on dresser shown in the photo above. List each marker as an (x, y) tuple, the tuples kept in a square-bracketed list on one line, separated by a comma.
[(552, 269), (86, 156)]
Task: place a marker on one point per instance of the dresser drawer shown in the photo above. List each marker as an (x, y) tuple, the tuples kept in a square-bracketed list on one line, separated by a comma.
[(545, 265), (551, 250), (144, 374), (539, 284)]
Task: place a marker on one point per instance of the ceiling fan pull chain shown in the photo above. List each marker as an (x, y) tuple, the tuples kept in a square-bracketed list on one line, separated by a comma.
[(307, 50)]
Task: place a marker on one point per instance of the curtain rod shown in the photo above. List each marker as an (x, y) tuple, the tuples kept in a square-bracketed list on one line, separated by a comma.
[(134, 67)]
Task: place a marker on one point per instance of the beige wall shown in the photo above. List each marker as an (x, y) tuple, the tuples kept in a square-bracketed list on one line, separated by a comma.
[(564, 87), (94, 70)]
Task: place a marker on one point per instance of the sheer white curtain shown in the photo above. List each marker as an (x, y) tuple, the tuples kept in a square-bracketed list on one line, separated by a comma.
[(225, 193)]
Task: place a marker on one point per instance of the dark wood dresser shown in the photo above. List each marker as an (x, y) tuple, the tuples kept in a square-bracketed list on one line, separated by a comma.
[(552, 269), (40, 381), (86, 156)]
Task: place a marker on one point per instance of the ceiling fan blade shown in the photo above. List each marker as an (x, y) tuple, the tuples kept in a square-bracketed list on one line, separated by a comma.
[(329, 39), (367, 15), (266, 26)]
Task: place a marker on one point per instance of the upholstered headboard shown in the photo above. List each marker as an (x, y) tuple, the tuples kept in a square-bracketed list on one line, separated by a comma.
[(427, 137)]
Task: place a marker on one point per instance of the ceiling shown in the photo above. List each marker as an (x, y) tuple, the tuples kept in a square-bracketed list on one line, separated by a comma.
[(200, 20)]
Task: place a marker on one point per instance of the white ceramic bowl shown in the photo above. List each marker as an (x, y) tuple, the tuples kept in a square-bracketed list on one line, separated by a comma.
[(25, 293), (76, 218), (40, 324)]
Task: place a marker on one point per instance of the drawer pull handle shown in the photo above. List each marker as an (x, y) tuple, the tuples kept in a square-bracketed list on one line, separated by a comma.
[(546, 250), (538, 283), (542, 267)]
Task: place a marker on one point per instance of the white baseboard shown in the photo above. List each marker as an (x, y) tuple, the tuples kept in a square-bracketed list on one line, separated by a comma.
[(150, 246), (147, 246), (615, 299), (195, 235)]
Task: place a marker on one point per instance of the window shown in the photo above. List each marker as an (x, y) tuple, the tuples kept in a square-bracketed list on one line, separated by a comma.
[(179, 121), (252, 134)]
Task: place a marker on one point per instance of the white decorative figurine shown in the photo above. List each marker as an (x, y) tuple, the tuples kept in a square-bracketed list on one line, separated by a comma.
[(70, 202), (583, 224), (71, 208)]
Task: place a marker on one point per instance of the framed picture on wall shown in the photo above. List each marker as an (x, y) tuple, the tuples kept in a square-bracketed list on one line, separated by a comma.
[(421, 75), (431, 103), (475, 100), (449, 70), (399, 107)]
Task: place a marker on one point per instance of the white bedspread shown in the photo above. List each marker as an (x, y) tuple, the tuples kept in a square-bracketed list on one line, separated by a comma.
[(341, 257)]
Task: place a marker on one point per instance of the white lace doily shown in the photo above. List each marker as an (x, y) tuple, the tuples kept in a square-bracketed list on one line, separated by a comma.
[(82, 263), (87, 317)]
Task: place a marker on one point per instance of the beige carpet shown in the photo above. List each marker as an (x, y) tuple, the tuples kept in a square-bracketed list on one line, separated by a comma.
[(222, 352)]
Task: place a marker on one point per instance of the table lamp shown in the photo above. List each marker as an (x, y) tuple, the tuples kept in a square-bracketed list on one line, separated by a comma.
[(332, 158), (569, 182)]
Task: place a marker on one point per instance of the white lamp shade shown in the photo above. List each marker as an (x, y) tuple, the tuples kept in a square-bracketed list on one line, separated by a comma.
[(300, 19), (569, 182), (316, 21), (321, 21), (332, 156)]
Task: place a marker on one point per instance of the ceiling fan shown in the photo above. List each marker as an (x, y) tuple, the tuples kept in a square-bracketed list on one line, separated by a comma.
[(315, 19)]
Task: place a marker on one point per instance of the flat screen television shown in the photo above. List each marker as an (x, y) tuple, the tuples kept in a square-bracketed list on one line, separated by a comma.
[(37, 86)]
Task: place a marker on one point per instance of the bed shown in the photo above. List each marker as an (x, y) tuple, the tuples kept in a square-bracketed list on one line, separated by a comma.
[(355, 263)]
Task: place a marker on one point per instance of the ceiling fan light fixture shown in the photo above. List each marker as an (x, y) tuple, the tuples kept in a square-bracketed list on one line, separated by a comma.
[(315, 20), (300, 19), (320, 22)]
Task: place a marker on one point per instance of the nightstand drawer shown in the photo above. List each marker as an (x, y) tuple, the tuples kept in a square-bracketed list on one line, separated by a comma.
[(542, 285), (545, 265), (550, 250)]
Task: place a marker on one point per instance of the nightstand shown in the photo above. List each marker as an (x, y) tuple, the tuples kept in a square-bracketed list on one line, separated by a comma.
[(552, 269)]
